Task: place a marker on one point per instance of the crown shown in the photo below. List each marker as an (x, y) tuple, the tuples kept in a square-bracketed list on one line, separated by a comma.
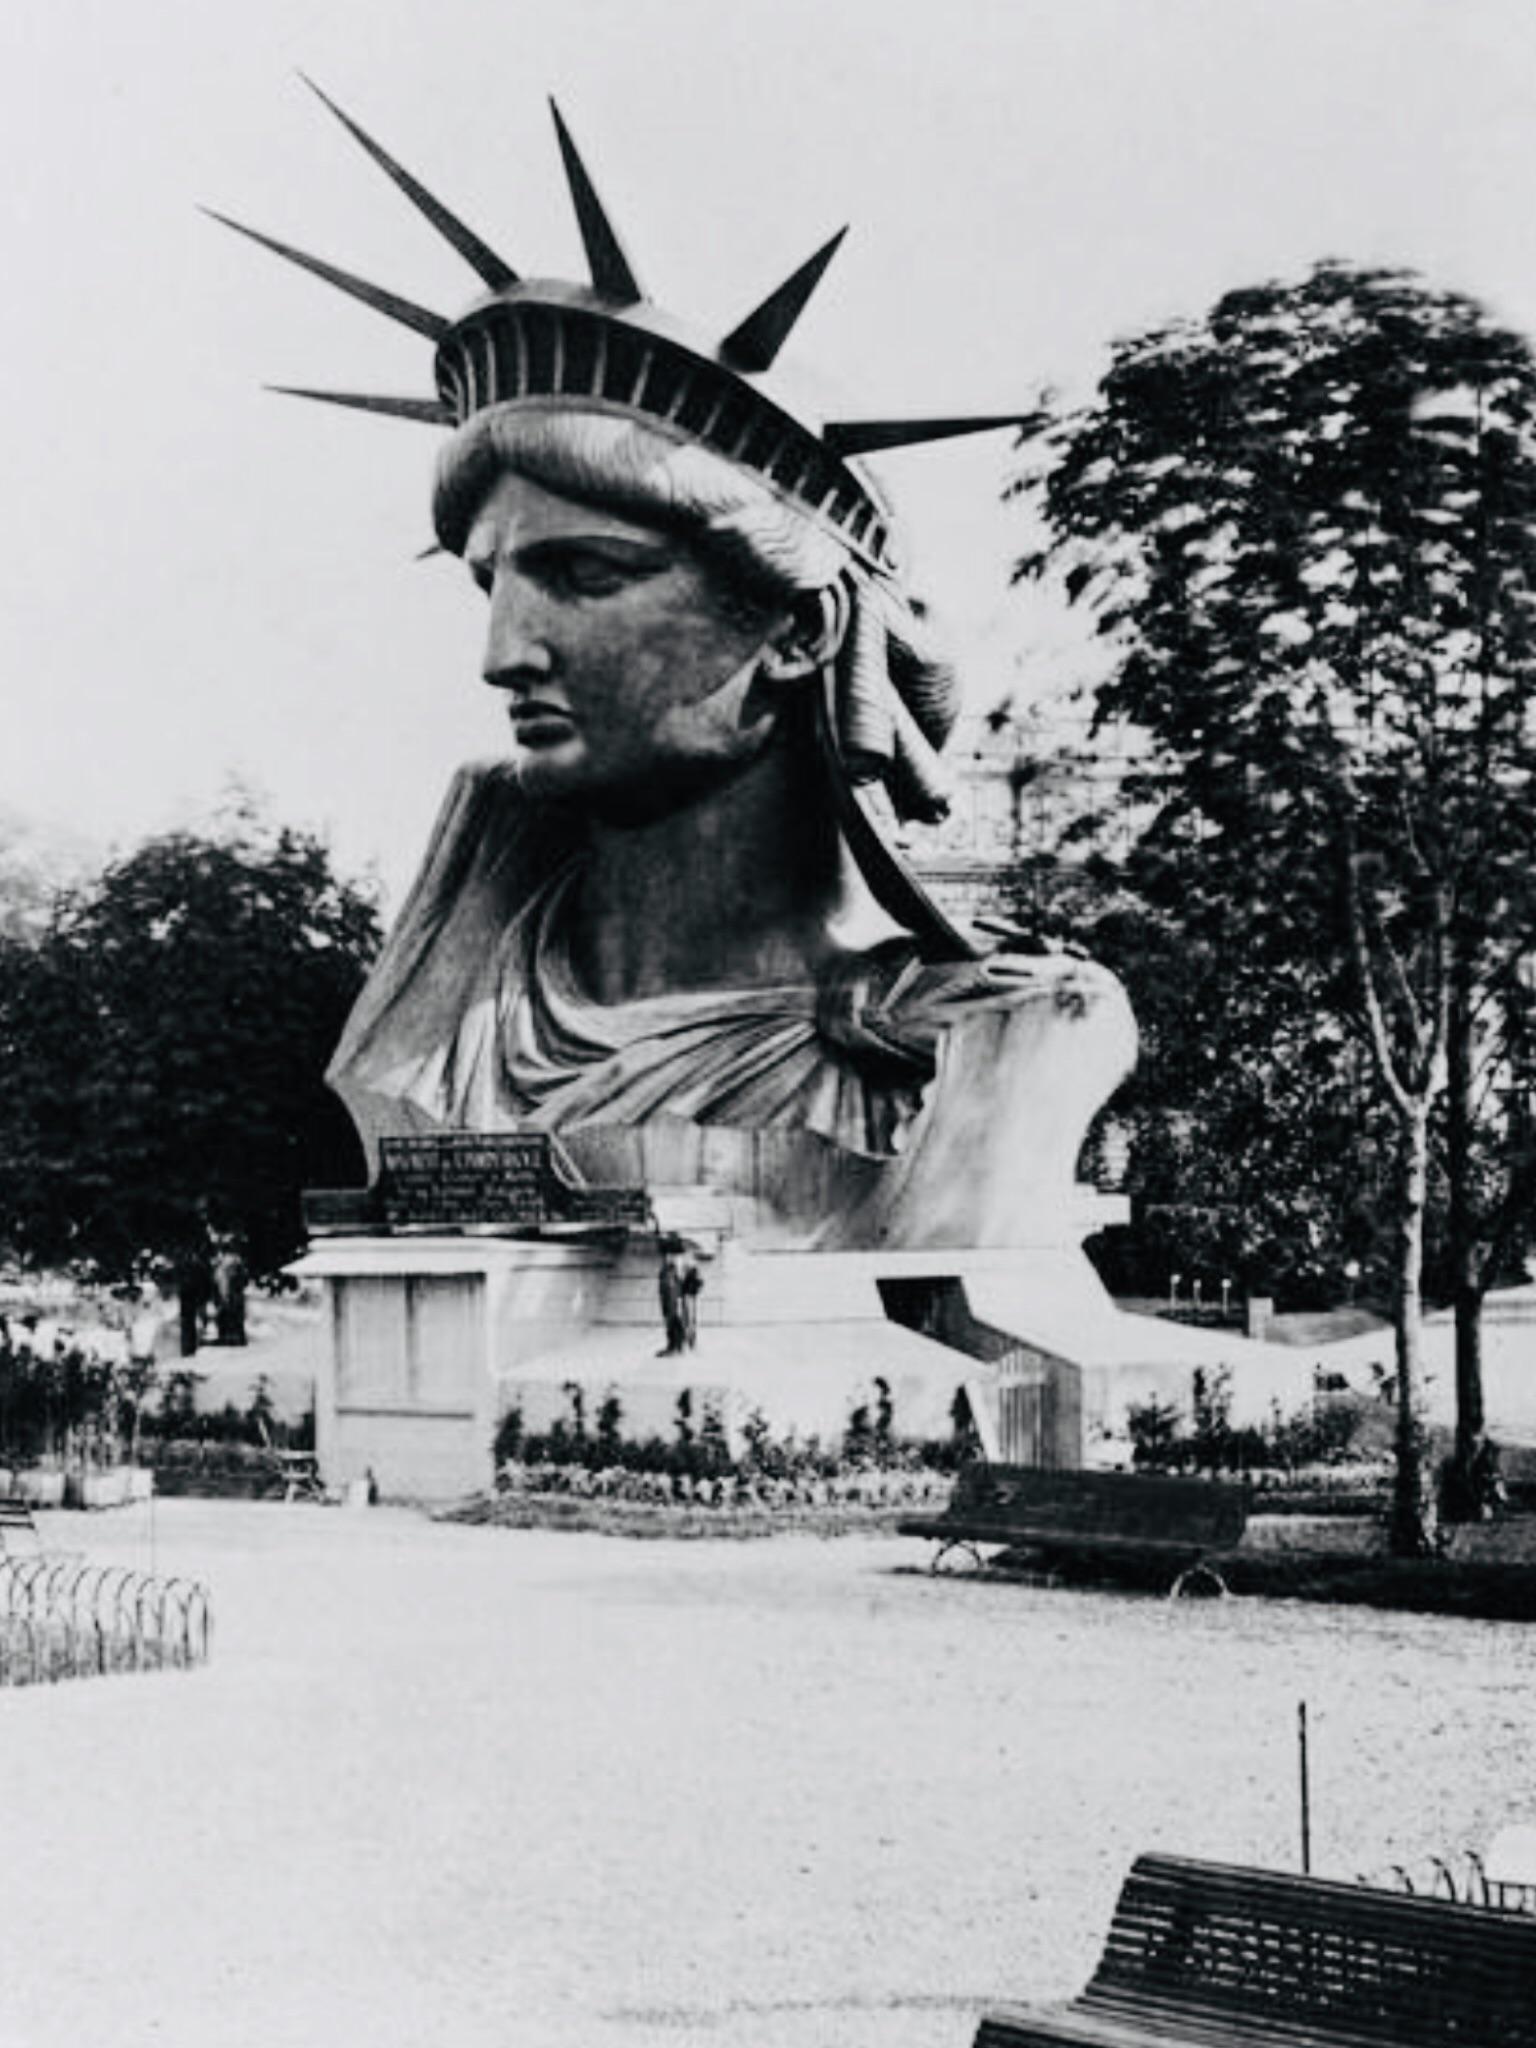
[(605, 347)]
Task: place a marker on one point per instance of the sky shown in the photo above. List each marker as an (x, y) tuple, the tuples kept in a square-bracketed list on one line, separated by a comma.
[(204, 584)]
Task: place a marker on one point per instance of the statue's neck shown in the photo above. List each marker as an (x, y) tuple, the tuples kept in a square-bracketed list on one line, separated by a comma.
[(735, 889)]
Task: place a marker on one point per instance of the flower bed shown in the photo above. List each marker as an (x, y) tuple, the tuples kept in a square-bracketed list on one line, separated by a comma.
[(617, 1500), (904, 1487), (213, 1470), (673, 1520)]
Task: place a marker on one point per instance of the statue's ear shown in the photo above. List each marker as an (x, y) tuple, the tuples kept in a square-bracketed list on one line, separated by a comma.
[(810, 636)]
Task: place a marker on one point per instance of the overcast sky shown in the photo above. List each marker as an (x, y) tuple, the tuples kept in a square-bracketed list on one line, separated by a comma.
[(199, 580)]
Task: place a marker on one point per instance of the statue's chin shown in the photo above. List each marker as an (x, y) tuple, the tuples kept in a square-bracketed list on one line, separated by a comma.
[(658, 788), (565, 777), (548, 773), (543, 779)]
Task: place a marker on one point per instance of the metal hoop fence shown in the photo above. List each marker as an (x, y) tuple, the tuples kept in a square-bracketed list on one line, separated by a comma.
[(61, 1618)]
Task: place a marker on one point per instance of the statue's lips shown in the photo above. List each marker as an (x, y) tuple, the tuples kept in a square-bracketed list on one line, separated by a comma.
[(540, 725)]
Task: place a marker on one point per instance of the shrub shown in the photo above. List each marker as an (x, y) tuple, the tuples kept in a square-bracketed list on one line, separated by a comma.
[(713, 1457), (1211, 1428), (1326, 1433), (1155, 1436), (508, 1441), (697, 1465), (682, 1421), (610, 1416), (858, 1438), (885, 1422)]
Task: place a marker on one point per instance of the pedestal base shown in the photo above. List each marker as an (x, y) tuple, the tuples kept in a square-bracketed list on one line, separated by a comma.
[(434, 1339)]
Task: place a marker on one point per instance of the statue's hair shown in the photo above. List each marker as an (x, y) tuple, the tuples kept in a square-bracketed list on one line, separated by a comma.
[(635, 471), (897, 697)]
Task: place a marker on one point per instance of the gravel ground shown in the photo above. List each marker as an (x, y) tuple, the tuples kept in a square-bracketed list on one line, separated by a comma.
[(473, 1786)]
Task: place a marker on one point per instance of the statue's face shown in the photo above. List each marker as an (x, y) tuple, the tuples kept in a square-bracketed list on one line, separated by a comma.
[(631, 685)]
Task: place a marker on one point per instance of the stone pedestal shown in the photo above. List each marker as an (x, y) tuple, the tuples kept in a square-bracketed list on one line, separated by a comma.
[(500, 1265), (434, 1337)]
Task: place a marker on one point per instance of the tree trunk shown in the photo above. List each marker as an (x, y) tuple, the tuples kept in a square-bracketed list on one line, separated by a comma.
[(1413, 1505), (1464, 1497)]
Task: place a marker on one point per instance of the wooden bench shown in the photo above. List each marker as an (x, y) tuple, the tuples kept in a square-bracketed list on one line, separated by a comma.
[(1181, 1523), (1223, 1957), (18, 1531)]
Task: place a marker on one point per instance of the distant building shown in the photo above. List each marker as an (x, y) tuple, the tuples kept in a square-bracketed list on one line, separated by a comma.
[(1019, 779)]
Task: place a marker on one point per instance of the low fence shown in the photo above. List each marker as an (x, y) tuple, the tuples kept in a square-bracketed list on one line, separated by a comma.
[(62, 1618), (1463, 1880)]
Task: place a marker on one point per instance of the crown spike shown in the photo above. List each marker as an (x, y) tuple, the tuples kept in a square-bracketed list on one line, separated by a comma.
[(757, 341), (612, 277), (409, 315), (480, 257), (430, 411), (863, 437)]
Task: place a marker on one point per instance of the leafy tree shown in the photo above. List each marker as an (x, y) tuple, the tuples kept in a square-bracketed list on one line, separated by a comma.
[(1305, 521), (1254, 1151), (35, 863), (164, 1043)]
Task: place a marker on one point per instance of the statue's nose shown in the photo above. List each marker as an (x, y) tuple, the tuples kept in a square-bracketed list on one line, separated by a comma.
[(515, 643)]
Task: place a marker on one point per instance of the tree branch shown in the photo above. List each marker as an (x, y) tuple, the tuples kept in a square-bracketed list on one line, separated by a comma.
[(1370, 999)]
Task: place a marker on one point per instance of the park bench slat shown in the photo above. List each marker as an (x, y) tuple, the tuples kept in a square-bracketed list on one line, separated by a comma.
[(1203, 1955), (1066, 2028)]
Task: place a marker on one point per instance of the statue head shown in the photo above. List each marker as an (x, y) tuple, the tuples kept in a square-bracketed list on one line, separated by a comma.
[(642, 674), (767, 617), (592, 395)]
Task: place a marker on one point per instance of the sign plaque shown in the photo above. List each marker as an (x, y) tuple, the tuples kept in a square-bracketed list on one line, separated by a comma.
[(520, 1182)]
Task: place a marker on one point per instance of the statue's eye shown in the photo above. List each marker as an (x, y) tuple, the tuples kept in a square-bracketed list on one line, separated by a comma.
[(582, 572)]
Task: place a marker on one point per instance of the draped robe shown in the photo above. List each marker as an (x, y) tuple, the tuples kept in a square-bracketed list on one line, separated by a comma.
[(887, 1101)]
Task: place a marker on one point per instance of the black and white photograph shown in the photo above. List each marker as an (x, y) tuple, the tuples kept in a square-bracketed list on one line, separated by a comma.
[(768, 1024)]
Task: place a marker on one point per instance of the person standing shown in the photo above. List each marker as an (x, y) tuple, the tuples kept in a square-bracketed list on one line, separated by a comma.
[(669, 1286)]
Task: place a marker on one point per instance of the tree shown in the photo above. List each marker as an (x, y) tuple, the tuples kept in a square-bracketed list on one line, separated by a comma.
[(1244, 1138), (35, 863), (1305, 522), (164, 1043), (1254, 1153)]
